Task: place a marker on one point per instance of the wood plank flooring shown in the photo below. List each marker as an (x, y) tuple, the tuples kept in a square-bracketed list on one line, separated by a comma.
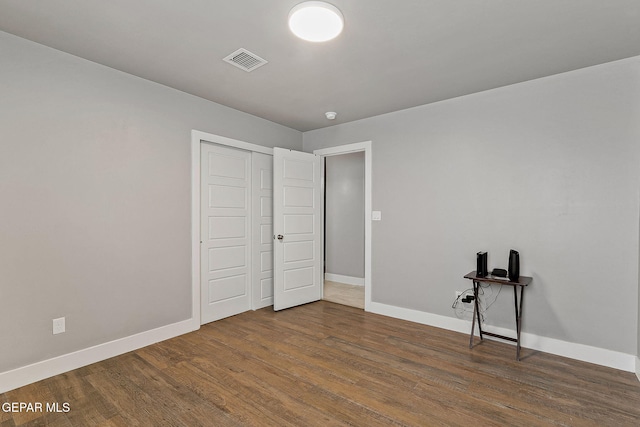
[(325, 364)]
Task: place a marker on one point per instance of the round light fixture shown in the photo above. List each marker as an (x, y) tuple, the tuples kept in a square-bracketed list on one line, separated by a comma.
[(331, 115), (316, 21)]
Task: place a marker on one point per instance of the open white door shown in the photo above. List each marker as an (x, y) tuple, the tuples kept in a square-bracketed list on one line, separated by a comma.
[(297, 220)]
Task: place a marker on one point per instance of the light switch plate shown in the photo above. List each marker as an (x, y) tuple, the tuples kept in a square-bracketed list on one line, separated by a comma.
[(376, 216)]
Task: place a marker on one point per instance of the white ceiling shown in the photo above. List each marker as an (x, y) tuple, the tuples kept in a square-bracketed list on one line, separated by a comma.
[(392, 54)]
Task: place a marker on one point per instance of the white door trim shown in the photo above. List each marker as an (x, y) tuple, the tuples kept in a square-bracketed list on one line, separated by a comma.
[(352, 148), (197, 137)]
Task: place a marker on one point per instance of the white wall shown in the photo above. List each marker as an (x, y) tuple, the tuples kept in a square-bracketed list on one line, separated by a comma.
[(95, 199), (548, 167), (344, 205)]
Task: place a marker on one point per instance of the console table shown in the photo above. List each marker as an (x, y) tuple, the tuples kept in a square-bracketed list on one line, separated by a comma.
[(521, 283)]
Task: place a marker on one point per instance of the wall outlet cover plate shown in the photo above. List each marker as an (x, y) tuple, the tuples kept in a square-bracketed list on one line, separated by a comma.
[(58, 325)]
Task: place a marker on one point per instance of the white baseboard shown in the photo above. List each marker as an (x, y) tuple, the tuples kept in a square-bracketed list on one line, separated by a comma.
[(24, 375), (585, 353), (347, 280)]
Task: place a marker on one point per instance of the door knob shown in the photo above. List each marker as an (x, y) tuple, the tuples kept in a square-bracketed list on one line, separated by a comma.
[(280, 237)]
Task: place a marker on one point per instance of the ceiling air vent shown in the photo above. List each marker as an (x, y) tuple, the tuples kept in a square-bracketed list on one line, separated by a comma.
[(245, 60)]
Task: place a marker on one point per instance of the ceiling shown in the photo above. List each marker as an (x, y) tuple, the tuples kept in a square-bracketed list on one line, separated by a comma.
[(392, 54)]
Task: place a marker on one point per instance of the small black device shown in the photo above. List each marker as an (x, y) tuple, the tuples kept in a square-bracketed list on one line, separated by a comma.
[(481, 266), (499, 272), (514, 265)]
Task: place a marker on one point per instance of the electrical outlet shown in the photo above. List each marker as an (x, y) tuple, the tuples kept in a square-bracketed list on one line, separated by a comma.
[(58, 325)]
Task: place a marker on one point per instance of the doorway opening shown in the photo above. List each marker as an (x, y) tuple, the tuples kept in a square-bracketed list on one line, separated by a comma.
[(344, 229), (347, 172)]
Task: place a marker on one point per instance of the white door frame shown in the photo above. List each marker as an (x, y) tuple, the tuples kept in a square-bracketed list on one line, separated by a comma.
[(353, 148), (197, 137)]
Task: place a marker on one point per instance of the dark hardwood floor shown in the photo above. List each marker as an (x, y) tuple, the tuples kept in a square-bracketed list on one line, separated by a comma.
[(324, 364)]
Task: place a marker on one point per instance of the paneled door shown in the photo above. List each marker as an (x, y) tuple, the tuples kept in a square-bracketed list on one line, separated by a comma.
[(262, 173), (225, 276), (297, 223)]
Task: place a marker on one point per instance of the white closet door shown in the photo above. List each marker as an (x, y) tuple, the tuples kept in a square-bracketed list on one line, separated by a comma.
[(225, 252), (262, 189), (297, 209)]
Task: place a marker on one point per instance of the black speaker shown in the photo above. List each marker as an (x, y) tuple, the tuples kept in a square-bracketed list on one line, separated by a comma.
[(514, 265), (481, 266)]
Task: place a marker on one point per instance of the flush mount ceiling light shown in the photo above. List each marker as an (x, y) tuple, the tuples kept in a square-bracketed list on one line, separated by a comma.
[(316, 21)]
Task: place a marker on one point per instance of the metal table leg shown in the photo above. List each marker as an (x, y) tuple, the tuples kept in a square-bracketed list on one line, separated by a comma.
[(476, 314), (518, 317)]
